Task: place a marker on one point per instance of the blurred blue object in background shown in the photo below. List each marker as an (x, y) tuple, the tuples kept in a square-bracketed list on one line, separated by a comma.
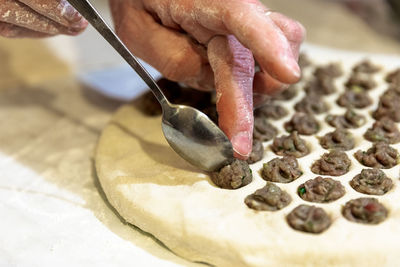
[(118, 82)]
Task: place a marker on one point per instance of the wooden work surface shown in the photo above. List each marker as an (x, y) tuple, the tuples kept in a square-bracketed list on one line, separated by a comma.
[(51, 122)]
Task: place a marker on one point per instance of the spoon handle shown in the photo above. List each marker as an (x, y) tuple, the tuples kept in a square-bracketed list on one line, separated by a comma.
[(93, 17)]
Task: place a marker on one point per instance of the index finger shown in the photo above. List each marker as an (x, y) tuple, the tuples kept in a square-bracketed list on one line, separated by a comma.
[(247, 20), (233, 66)]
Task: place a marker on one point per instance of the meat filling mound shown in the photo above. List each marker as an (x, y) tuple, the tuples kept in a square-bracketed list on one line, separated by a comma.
[(384, 130), (392, 92), (257, 152), (354, 98), (211, 112), (366, 66), (372, 182), (321, 190), (290, 145), (312, 104), (338, 139), (332, 70), (362, 80), (281, 170), (233, 176), (323, 85), (389, 106), (271, 111), (304, 61), (380, 155), (334, 163), (268, 198), (149, 105), (176, 94), (393, 77), (263, 129), (349, 120), (303, 123), (309, 219), (287, 94), (365, 210)]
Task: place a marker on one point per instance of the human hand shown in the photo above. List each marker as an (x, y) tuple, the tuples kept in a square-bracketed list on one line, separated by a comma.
[(208, 44), (39, 18)]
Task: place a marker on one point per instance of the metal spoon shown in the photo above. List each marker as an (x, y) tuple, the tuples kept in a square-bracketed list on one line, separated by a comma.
[(188, 131)]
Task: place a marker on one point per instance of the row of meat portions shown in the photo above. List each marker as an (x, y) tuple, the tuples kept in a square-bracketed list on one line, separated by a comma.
[(286, 169)]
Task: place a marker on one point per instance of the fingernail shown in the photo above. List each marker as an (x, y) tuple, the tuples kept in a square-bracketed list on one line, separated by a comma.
[(70, 14), (242, 143)]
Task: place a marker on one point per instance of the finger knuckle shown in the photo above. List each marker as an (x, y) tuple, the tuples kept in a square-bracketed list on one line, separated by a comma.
[(242, 59)]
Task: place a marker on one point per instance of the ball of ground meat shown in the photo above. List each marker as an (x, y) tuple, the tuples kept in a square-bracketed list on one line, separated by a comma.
[(334, 163), (380, 155), (392, 91), (303, 123), (309, 219), (287, 94), (281, 170), (268, 198), (349, 120), (194, 98), (394, 77), (384, 130), (354, 98), (271, 111), (321, 190), (371, 182), (233, 176), (320, 86), (257, 152), (389, 106), (312, 104), (338, 139), (366, 66), (362, 80), (290, 145), (304, 61), (332, 70), (149, 105), (175, 94), (263, 129), (211, 112), (365, 210)]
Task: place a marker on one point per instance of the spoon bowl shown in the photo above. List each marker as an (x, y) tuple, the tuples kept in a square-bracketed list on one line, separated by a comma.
[(195, 137)]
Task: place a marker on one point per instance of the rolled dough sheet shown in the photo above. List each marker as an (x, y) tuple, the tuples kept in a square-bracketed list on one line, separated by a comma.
[(154, 189)]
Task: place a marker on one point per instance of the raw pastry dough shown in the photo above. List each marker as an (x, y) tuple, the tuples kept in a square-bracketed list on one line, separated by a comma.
[(154, 189)]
